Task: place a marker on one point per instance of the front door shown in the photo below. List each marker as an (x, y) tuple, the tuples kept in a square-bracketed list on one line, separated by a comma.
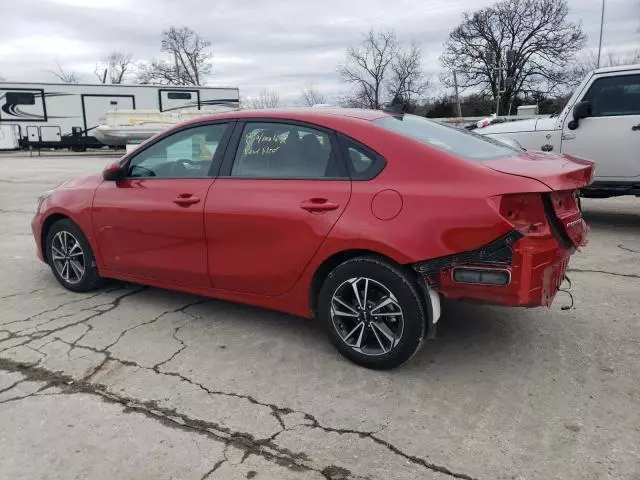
[(278, 196), (610, 136), (151, 223)]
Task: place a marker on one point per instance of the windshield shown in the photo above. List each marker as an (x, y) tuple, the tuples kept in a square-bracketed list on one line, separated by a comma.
[(457, 141)]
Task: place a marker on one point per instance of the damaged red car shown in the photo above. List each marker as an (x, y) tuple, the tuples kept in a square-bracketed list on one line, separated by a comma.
[(363, 219)]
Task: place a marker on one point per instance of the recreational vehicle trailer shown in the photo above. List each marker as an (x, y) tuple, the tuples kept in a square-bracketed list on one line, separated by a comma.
[(55, 115)]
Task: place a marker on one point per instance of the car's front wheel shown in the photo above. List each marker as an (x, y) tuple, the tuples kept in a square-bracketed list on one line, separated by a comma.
[(71, 258), (373, 312)]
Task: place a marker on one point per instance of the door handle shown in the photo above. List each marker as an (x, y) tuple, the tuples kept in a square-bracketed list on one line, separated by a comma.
[(318, 205), (636, 127), (186, 199), (568, 136)]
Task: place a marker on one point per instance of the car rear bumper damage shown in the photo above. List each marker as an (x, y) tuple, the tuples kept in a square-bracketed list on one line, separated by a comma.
[(518, 269), (514, 270)]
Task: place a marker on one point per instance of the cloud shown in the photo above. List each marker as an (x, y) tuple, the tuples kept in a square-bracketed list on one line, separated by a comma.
[(280, 44)]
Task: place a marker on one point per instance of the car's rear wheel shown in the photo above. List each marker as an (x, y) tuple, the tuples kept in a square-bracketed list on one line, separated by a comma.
[(71, 258), (372, 312)]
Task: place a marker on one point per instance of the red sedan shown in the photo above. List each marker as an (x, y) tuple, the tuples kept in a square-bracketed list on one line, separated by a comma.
[(363, 219)]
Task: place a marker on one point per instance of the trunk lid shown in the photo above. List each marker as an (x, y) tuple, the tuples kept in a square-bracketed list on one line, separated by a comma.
[(564, 175), (558, 172), (565, 218)]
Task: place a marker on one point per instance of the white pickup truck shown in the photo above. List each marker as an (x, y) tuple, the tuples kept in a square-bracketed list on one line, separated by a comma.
[(601, 122)]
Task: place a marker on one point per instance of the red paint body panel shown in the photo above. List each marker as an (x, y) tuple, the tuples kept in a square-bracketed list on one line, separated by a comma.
[(251, 241), (141, 231), (556, 171), (260, 238), (536, 273), (72, 199)]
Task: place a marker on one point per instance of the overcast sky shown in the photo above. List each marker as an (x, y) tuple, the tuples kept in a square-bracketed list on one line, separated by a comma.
[(278, 44)]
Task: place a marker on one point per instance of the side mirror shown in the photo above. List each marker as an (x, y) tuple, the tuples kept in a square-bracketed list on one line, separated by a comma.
[(580, 110), (113, 172)]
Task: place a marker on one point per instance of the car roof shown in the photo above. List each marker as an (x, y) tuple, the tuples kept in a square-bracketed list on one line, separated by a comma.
[(300, 114), (621, 68)]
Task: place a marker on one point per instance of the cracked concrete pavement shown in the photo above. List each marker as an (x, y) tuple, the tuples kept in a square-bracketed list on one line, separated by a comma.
[(137, 382)]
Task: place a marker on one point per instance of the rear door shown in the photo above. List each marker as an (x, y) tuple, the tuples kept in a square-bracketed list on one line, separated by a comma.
[(611, 135), (279, 193)]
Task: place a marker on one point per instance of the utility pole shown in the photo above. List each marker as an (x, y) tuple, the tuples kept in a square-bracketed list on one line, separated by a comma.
[(455, 84), (508, 81), (499, 70), (600, 42)]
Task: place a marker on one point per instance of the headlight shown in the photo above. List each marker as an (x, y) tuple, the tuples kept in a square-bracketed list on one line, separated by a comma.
[(42, 197)]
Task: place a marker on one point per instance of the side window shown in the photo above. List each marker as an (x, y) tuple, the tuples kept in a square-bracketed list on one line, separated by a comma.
[(179, 96), (363, 163), (20, 98), (185, 154), (614, 96), (280, 150)]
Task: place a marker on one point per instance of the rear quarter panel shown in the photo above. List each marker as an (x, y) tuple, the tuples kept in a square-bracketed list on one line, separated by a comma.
[(445, 202)]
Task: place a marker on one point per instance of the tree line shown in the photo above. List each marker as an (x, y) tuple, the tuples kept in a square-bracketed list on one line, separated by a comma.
[(511, 53)]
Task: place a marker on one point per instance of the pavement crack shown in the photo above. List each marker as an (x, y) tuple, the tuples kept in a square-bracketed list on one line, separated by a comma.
[(21, 212), (622, 247), (55, 309), (266, 448), (15, 384), (41, 333), (23, 294), (212, 471), (168, 417), (584, 270), (420, 461)]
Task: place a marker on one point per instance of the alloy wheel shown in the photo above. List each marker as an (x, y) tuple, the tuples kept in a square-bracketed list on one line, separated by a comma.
[(367, 316), (68, 257)]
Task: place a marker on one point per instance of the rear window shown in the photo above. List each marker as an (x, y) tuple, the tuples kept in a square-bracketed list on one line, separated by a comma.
[(457, 141)]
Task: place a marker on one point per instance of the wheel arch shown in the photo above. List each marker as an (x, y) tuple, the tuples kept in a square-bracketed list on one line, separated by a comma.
[(331, 262), (46, 227)]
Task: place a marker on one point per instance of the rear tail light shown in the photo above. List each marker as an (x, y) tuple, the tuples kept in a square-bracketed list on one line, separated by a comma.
[(525, 211), (564, 207)]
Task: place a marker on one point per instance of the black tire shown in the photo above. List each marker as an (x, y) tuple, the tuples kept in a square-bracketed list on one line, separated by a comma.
[(90, 278), (403, 287)]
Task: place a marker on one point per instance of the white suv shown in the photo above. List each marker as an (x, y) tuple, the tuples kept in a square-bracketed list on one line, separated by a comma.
[(601, 122)]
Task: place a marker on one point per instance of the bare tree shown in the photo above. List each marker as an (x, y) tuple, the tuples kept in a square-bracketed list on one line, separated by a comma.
[(190, 60), (588, 61), (266, 99), (311, 96), (367, 68), (65, 76), (114, 67), (543, 42), (408, 82)]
